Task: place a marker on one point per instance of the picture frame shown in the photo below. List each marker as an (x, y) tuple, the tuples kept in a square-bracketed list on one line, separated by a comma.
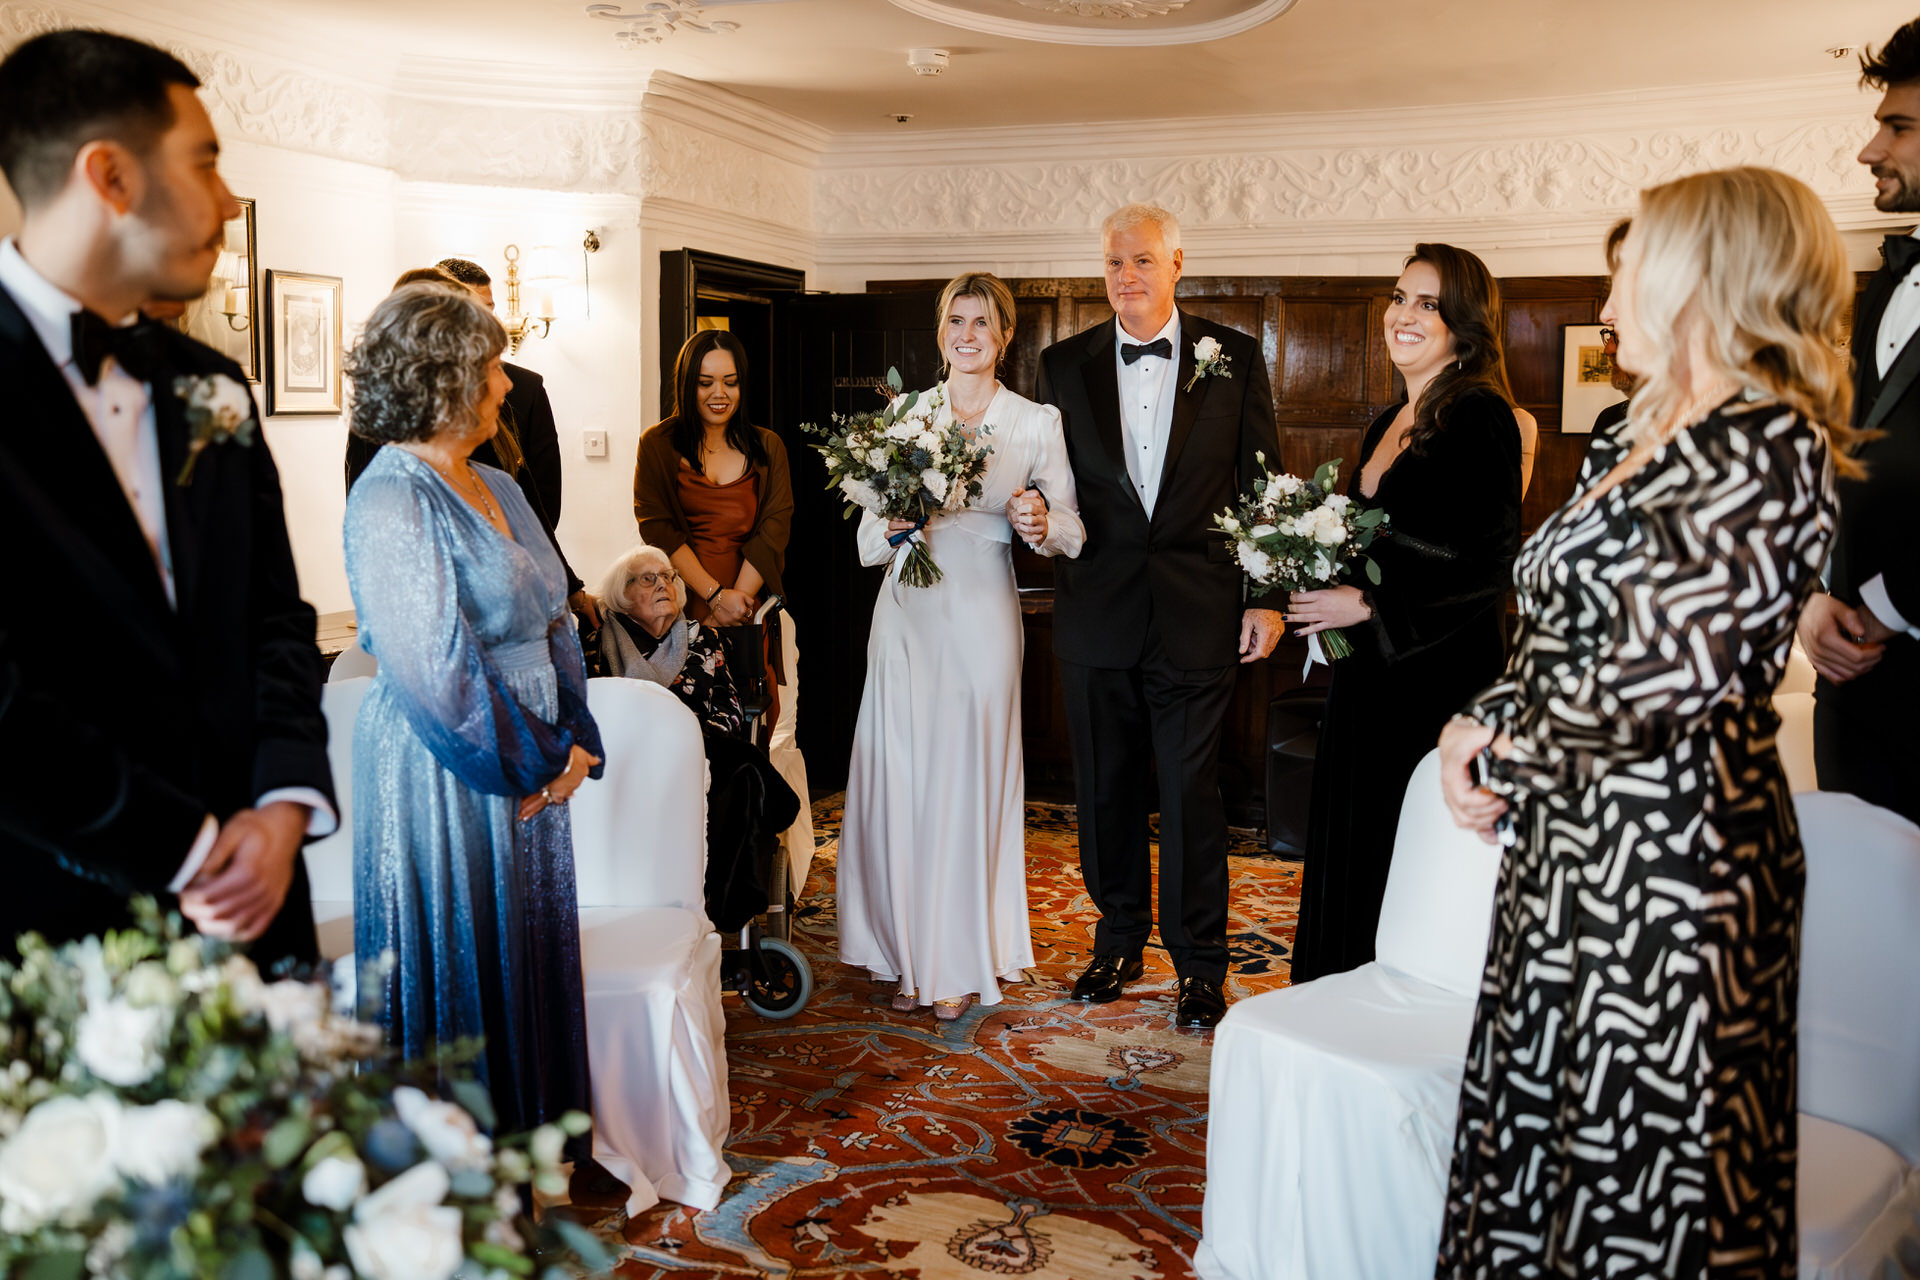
[(1586, 378), (227, 316), (303, 344)]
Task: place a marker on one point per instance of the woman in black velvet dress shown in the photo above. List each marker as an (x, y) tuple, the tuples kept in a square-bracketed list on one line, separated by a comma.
[(1445, 465)]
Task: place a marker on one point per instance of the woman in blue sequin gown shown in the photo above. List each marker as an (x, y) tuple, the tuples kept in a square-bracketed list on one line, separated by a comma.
[(475, 731)]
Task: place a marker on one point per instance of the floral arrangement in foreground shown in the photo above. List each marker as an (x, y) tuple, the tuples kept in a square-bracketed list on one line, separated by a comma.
[(166, 1112), (1291, 534), (899, 466)]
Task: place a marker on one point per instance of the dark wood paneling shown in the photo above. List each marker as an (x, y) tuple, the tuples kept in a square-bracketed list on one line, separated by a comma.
[(1324, 354)]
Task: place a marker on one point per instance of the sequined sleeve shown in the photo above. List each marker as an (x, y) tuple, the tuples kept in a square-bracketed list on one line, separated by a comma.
[(401, 571)]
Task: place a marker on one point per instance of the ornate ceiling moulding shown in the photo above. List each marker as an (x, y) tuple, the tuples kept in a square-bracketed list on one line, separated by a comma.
[(648, 22), (1102, 22)]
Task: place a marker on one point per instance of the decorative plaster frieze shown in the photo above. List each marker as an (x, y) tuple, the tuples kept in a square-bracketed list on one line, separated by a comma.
[(438, 141)]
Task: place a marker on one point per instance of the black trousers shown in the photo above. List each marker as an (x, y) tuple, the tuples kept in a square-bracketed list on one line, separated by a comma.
[(1863, 732), (1124, 724)]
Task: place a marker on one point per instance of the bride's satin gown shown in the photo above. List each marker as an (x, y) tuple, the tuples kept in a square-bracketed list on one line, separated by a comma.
[(932, 869)]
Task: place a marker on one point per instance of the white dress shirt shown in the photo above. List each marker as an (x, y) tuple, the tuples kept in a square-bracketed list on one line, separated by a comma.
[(1146, 407), (119, 408), (1898, 323)]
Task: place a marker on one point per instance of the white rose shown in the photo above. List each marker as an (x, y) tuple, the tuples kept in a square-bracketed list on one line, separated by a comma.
[(1328, 528), (1286, 485), (226, 399), (447, 1132), (860, 493), (1229, 524), (903, 430), (1206, 349), (162, 1142), (121, 1044), (1262, 531), (878, 459), (59, 1162), (926, 439), (335, 1183), (935, 483), (1257, 563), (1339, 502), (152, 984), (404, 1232)]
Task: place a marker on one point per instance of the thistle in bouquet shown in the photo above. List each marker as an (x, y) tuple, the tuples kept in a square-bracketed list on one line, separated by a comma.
[(1291, 534), (901, 466), (167, 1113)]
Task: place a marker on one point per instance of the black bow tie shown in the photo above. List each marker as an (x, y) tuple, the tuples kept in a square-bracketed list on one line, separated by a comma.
[(1901, 254), (136, 346), (1131, 351)]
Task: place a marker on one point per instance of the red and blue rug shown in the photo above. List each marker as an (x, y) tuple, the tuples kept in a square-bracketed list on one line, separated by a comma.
[(1042, 1137)]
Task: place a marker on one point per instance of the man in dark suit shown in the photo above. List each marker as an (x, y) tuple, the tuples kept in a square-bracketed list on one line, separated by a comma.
[(528, 415), (1864, 635), (169, 738), (1150, 621)]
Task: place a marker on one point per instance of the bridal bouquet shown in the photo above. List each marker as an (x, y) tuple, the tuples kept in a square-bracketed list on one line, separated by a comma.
[(167, 1113), (899, 466), (1291, 534)]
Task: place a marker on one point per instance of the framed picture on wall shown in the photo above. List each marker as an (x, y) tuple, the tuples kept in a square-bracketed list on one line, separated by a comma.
[(303, 343), (1586, 378), (227, 316)]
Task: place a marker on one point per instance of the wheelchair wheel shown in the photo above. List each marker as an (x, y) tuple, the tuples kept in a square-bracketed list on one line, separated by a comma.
[(781, 980)]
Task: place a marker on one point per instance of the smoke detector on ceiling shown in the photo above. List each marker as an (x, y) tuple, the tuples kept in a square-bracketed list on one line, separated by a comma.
[(927, 62)]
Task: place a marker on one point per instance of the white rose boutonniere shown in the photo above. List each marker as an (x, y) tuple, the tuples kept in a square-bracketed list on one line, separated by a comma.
[(1209, 361), (218, 410)]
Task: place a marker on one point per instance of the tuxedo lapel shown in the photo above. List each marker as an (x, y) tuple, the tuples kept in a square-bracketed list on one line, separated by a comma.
[(1895, 384), (186, 504), (1866, 335), (1103, 402), (50, 440), (1186, 406)]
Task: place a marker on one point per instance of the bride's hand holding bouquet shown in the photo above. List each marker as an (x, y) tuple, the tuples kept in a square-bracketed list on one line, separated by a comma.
[(905, 469)]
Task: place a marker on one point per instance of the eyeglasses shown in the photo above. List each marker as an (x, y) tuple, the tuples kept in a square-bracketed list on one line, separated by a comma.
[(1609, 335), (652, 579)]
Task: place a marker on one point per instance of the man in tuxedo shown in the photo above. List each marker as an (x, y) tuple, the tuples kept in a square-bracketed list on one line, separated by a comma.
[(1150, 621), (1864, 634), (168, 738), (528, 414)]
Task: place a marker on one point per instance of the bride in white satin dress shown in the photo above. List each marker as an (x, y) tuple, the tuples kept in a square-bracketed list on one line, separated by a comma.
[(932, 868)]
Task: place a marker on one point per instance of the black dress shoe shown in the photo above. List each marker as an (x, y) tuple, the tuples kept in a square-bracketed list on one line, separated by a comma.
[(1107, 978), (1200, 1003)]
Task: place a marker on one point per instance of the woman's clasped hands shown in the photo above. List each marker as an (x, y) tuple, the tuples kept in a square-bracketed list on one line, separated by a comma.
[(564, 784)]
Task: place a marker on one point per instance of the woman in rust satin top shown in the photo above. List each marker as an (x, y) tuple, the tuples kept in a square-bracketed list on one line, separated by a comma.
[(710, 489)]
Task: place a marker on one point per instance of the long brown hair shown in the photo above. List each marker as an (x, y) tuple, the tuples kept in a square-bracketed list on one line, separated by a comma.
[(1470, 308), (684, 428)]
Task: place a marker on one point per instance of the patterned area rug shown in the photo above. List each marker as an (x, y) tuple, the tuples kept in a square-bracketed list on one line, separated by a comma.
[(1042, 1137)]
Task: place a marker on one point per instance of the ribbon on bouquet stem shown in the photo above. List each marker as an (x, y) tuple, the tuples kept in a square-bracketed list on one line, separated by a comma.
[(902, 544)]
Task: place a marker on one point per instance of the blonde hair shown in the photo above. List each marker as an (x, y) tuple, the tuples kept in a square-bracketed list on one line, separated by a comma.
[(1754, 256), (1129, 216), (995, 299)]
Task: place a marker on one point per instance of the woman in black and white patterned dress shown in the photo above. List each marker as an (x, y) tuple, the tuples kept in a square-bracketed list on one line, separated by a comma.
[(1628, 1102)]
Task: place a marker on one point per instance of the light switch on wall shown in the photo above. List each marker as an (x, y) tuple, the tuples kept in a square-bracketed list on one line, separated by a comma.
[(594, 443)]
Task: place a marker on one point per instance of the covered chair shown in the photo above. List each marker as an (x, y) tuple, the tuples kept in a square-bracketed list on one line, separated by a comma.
[(655, 1028), (1333, 1103), (1859, 1196), (330, 860)]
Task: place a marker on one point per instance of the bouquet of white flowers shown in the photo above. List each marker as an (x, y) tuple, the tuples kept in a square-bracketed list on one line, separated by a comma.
[(1291, 534), (168, 1114), (899, 466)]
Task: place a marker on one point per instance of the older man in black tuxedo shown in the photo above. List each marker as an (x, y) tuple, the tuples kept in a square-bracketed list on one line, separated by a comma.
[(1864, 635), (1164, 412), (168, 739)]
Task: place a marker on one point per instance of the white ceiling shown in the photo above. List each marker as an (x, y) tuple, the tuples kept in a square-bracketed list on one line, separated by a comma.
[(842, 63)]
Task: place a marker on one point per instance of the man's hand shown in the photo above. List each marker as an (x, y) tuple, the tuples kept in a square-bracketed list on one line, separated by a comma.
[(1027, 513), (1842, 643), (1260, 630), (239, 889), (583, 603)]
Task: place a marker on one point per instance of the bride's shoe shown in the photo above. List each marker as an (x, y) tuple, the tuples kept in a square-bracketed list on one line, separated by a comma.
[(952, 1010), (903, 1002)]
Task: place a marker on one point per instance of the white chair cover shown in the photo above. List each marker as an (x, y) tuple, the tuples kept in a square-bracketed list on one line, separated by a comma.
[(1335, 1101), (783, 750), (1859, 1200), (351, 663), (655, 1029), (330, 860)]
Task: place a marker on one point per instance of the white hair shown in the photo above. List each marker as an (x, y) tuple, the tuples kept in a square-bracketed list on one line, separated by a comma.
[(630, 565), (1129, 216)]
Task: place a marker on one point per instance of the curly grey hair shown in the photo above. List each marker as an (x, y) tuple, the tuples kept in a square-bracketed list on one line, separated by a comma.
[(420, 366), (631, 564)]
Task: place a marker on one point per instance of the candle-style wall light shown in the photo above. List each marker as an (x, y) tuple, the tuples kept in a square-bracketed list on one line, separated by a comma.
[(546, 269)]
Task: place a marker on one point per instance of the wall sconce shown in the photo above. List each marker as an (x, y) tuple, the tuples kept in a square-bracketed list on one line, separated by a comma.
[(517, 323), (230, 272)]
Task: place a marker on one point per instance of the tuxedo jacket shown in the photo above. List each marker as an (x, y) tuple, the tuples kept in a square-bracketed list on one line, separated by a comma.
[(530, 413), (1174, 570), (1879, 525), (124, 721)]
